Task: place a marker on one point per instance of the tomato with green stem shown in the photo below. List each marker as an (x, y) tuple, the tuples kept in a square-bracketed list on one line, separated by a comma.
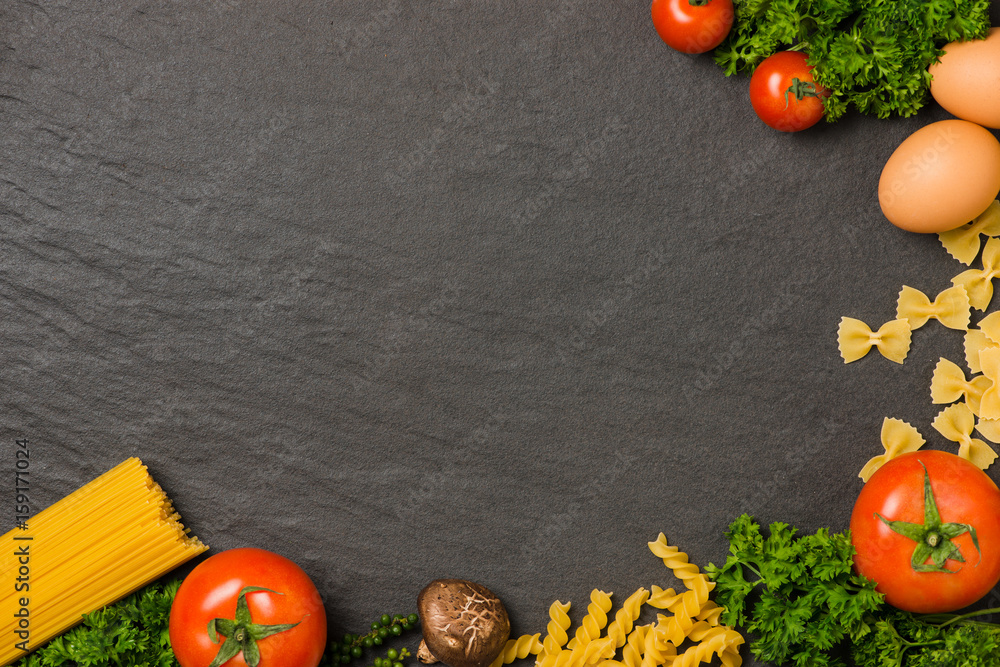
[(784, 94), (247, 608), (693, 26), (926, 529)]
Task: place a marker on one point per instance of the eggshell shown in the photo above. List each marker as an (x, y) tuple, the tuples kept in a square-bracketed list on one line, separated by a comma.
[(940, 177), (966, 80)]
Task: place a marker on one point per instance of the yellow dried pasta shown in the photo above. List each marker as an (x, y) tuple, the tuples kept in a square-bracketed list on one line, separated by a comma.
[(855, 339), (951, 307), (963, 243), (559, 623), (595, 620), (989, 403), (975, 342), (898, 438), (626, 616), (697, 583), (956, 423), (978, 283), (949, 384), (718, 641), (515, 649), (635, 646), (693, 622)]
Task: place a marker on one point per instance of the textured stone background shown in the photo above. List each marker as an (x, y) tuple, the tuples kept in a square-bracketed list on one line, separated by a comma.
[(405, 290)]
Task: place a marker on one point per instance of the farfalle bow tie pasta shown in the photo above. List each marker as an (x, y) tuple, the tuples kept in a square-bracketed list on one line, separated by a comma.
[(971, 289), (956, 423), (964, 243), (978, 283), (856, 338), (949, 384), (898, 438), (951, 307)]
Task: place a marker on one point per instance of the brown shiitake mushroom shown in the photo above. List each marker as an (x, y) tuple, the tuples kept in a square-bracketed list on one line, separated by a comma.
[(464, 624)]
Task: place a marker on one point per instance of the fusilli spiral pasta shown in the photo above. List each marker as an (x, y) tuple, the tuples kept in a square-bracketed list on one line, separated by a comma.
[(559, 623), (635, 646), (626, 616), (518, 648), (716, 642), (595, 620)]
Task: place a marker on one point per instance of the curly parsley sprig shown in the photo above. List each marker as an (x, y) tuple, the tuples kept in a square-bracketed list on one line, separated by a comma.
[(872, 55), (804, 605), (798, 595)]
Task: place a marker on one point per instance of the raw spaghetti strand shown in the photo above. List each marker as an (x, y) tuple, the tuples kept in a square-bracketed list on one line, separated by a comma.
[(93, 547)]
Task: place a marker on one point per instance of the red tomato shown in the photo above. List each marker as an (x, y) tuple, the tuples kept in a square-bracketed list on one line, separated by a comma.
[(968, 504), (693, 26), (783, 93), (211, 591)]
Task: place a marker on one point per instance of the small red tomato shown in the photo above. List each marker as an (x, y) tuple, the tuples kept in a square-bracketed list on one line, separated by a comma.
[(247, 607), (784, 94), (926, 528), (693, 26)]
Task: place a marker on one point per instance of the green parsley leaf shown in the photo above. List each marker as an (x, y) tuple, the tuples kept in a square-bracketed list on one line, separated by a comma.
[(872, 55)]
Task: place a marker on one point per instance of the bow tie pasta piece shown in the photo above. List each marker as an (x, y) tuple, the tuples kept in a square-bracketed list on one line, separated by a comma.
[(951, 307), (855, 339), (956, 423), (948, 385), (990, 325), (898, 438), (963, 243), (989, 362), (989, 429), (975, 342), (978, 283)]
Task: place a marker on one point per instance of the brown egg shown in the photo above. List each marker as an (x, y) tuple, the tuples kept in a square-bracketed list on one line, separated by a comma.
[(940, 177), (966, 80)]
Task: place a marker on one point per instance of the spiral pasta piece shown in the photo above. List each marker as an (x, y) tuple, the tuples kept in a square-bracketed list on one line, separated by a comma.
[(559, 623), (595, 620), (717, 642), (730, 657), (515, 649), (626, 616), (686, 571), (710, 612), (635, 646), (690, 634), (659, 650), (662, 598)]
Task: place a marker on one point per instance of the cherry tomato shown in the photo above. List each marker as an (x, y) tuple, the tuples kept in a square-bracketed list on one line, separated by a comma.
[(277, 595), (926, 528), (693, 26), (784, 94)]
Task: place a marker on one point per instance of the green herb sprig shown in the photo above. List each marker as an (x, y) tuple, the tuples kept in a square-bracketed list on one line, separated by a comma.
[(133, 632), (808, 600), (803, 605), (872, 55)]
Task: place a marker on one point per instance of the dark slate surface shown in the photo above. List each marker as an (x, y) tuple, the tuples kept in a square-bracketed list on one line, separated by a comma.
[(413, 290)]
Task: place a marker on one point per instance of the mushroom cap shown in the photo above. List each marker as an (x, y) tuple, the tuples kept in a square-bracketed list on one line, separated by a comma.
[(463, 623)]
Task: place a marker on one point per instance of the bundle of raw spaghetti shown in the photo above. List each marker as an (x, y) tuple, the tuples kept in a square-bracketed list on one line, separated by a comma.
[(96, 545)]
